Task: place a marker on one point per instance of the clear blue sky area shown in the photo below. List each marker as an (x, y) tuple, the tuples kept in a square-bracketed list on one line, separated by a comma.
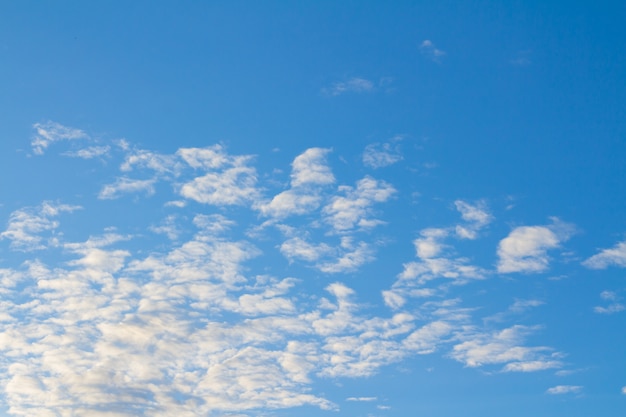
[(319, 208)]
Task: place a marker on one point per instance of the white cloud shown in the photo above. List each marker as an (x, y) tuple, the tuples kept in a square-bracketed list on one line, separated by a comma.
[(298, 248), (89, 152), (353, 85), (309, 172), (291, 202), (167, 227), (233, 186), (198, 326), (346, 257), (456, 269), (346, 213), (526, 247), (607, 257), (311, 168), (126, 185), (210, 157), (144, 159), (26, 225), (624, 390), (476, 217), (503, 347), (50, 132), (614, 307), (428, 49), (350, 258), (379, 155), (426, 339), (429, 245), (564, 389)]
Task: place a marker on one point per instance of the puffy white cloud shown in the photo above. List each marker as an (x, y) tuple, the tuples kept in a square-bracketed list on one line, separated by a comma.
[(210, 157), (145, 159), (309, 173), (26, 225), (432, 268), (311, 168), (503, 347), (346, 213), (126, 185), (351, 258), (564, 389), (291, 202), (526, 247), (429, 245), (607, 257), (298, 248), (49, 132), (233, 186)]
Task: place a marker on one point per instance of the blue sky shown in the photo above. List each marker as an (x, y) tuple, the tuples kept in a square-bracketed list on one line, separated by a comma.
[(314, 209)]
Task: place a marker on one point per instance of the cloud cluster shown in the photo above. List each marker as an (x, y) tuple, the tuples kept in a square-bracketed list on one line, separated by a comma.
[(206, 322)]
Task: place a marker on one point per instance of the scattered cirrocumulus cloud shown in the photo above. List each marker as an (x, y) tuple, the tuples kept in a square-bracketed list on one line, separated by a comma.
[(219, 318)]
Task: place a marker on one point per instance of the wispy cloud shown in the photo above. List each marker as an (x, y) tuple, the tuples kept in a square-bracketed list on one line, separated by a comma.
[(615, 305), (607, 257), (26, 225), (428, 49), (564, 389), (89, 152), (476, 217), (504, 347), (352, 85), (379, 155), (126, 185), (344, 213), (522, 59), (50, 132)]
